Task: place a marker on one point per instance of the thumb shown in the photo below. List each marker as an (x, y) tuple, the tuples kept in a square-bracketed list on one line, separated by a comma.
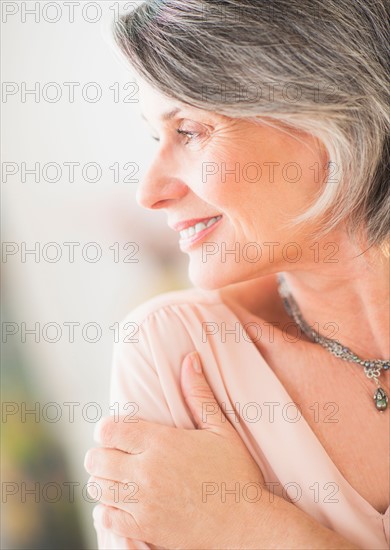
[(199, 396)]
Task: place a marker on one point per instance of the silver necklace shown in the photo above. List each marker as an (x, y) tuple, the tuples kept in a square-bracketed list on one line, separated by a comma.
[(372, 367)]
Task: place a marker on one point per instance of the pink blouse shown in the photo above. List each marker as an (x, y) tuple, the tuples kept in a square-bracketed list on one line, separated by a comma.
[(293, 461)]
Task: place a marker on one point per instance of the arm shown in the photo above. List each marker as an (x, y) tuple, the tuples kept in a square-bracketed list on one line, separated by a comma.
[(286, 527), (136, 388), (139, 371)]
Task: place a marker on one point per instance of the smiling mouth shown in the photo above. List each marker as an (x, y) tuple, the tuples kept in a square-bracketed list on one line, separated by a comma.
[(198, 227)]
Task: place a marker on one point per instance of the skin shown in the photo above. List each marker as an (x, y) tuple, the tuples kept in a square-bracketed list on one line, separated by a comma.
[(345, 284), (135, 455)]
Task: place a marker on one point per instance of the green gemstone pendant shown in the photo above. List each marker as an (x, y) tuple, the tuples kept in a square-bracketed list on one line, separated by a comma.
[(381, 399)]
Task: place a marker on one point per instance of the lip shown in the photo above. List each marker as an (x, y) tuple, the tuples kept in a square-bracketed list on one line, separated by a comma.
[(179, 226), (188, 244)]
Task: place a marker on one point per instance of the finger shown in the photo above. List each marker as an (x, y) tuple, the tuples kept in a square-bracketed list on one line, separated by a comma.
[(200, 397), (111, 464), (125, 496), (114, 431), (133, 437), (122, 524)]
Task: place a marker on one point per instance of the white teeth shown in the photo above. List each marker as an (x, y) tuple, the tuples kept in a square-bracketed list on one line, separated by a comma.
[(213, 220), (200, 226), (197, 228)]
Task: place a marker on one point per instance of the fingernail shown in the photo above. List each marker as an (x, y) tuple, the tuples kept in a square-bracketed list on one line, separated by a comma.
[(97, 512), (88, 460), (96, 431), (196, 363)]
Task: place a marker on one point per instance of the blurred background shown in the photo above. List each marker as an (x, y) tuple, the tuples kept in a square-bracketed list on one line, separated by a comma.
[(77, 254)]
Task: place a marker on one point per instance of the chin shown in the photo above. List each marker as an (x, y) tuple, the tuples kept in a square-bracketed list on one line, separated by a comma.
[(211, 277)]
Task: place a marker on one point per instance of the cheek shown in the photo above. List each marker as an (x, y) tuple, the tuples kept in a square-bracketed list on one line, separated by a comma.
[(267, 185), (218, 180), (207, 180)]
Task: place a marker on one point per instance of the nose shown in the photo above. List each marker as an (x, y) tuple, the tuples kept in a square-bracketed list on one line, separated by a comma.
[(161, 185)]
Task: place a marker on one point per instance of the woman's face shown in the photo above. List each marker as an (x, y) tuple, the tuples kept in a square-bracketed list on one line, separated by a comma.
[(240, 181)]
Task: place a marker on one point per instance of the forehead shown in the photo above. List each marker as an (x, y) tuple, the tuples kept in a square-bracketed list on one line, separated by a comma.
[(153, 101), (158, 107)]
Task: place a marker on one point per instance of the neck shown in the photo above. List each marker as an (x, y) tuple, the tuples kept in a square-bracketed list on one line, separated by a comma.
[(352, 295)]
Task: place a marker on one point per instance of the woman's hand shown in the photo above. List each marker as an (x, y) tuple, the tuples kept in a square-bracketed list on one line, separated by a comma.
[(178, 488)]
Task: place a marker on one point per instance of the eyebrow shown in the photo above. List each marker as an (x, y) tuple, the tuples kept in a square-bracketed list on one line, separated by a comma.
[(166, 116)]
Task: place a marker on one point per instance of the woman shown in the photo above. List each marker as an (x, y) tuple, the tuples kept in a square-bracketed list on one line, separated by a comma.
[(271, 120)]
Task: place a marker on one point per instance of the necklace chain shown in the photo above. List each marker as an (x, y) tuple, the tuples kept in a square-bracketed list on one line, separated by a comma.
[(372, 367)]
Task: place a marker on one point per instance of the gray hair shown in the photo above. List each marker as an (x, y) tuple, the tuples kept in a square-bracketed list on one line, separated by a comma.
[(322, 64)]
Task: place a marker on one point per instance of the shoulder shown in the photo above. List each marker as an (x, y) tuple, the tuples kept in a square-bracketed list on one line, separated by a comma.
[(173, 319), (175, 304), (152, 342), (254, 297)]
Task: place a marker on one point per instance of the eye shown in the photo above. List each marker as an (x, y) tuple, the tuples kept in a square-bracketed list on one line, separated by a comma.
[(189, 136)]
